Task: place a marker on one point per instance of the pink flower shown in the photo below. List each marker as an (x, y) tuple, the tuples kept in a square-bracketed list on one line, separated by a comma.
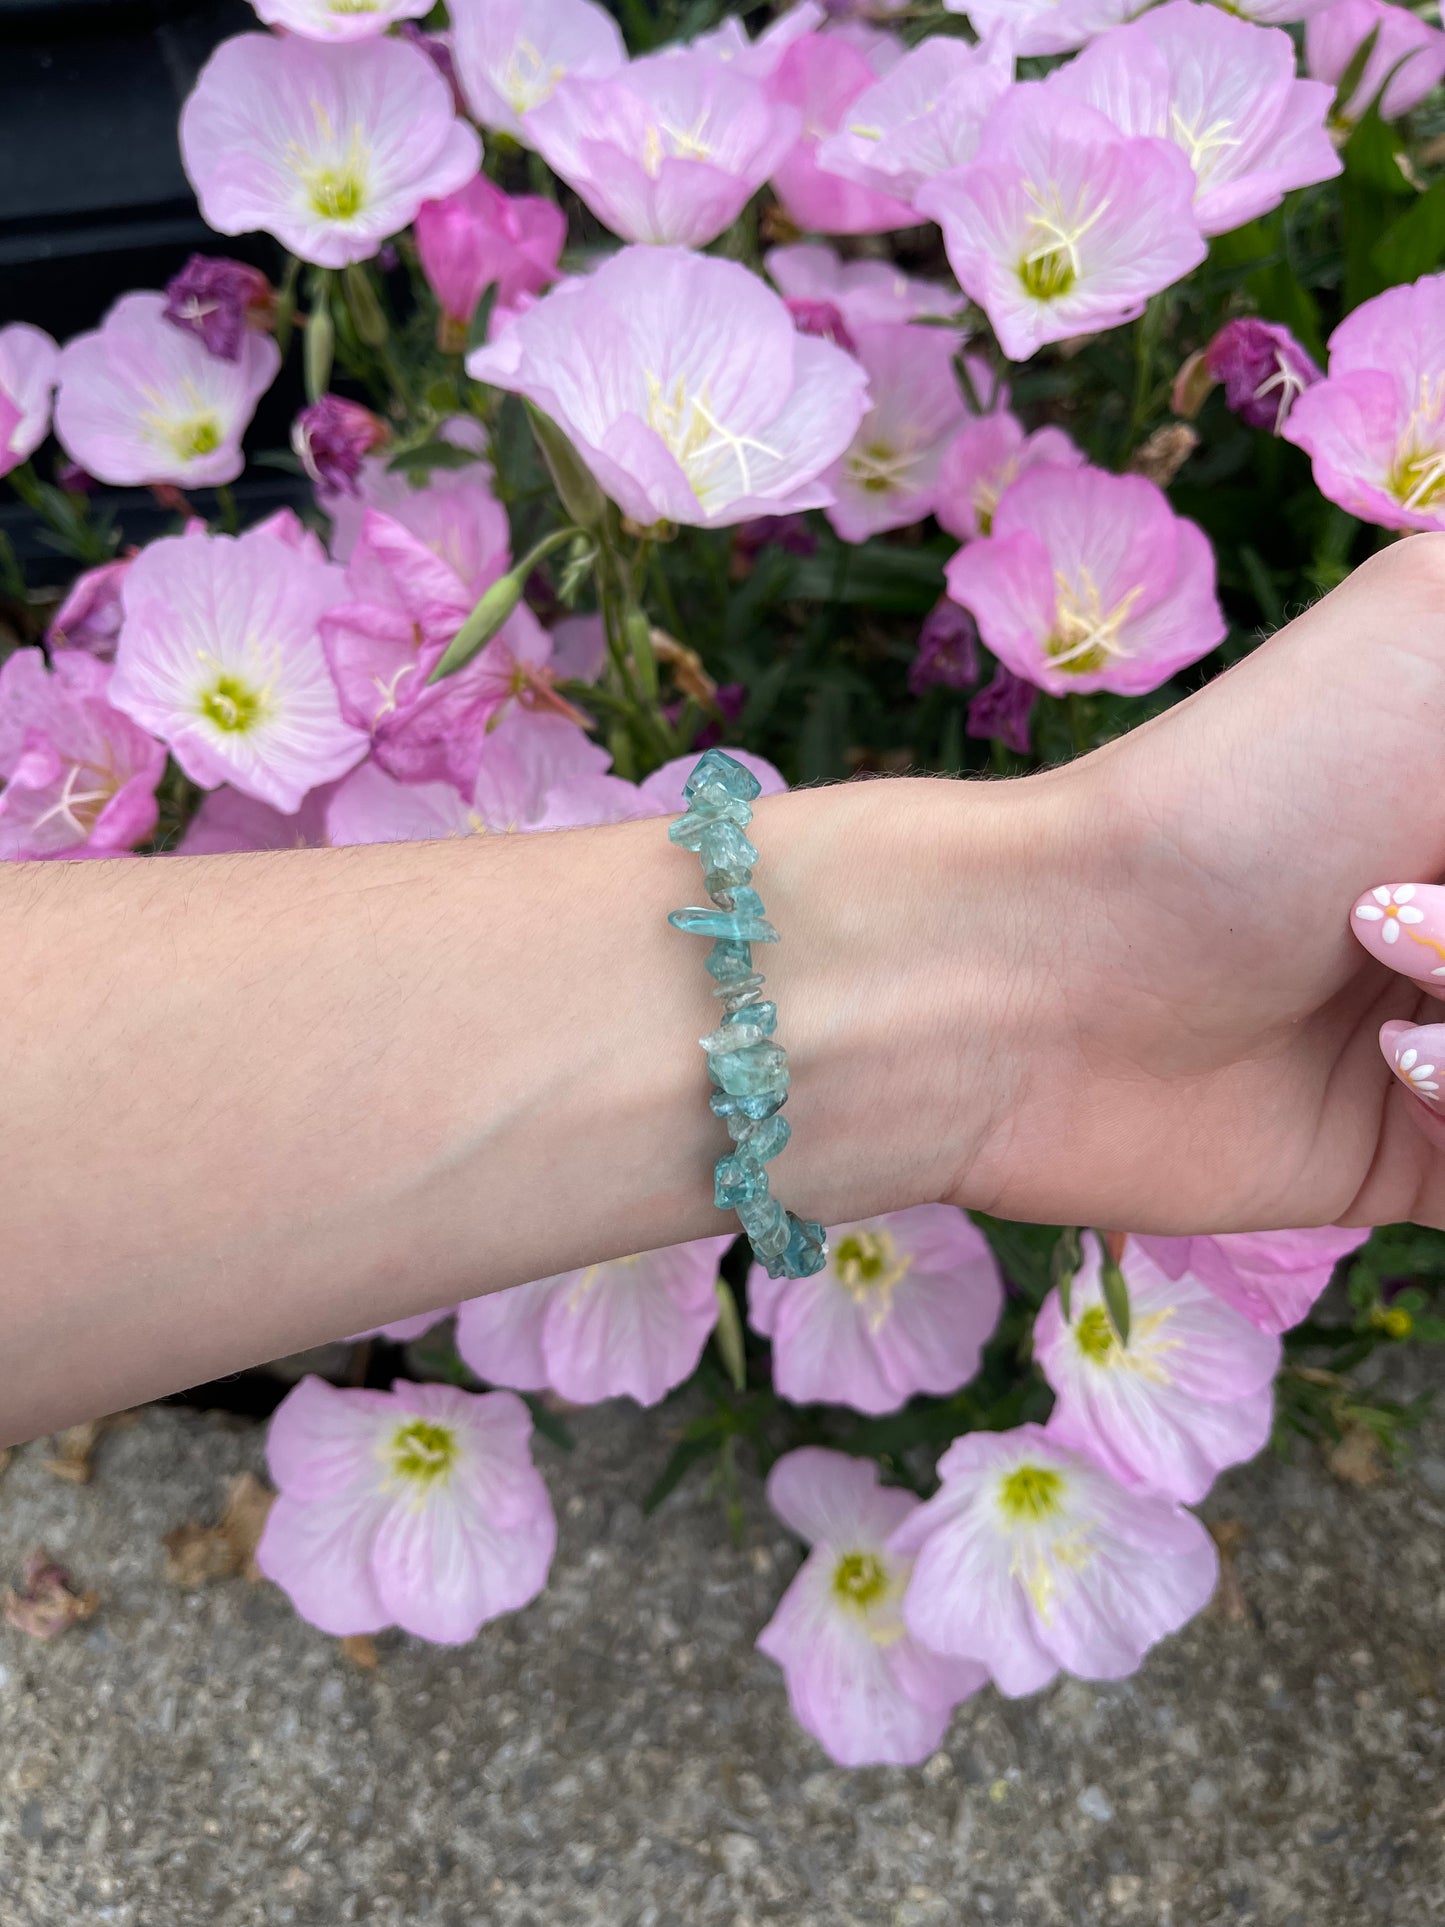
[(629, 1328), (510, 54), (985, 457), (228, 820), (668, 150), (858, 1681), (419, 1507), (1064, 226), (219, 656), (332, 438), (1271, 1277), (1031, 1559), (401, 1331), (217, 300), (1263, 368), (1277, 13), (453, 510), (89, 617), (822, 75), (29, 369), (544, 773), (888, 476), (330, 148), (406, 600), (729, 43), (1407, 60), (1225, 93), (682, 384), (338, 19), (80, 777), (368, 806), (142, 402), (480, 237), (922, 119), (1090, 581), (1189, 1394), (1044, 26), (904, 1305), (862, 292), (1375, 427)]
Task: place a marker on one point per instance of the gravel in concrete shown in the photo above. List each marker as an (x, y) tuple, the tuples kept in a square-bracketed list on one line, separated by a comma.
[(618, 1753)]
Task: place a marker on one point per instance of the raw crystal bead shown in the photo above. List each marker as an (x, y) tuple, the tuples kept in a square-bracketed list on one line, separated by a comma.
[(805, 1252), (737, 1181), (727, 1104), (730, 963), (735, 926), (761, 1138), (747, 903), (733, 1037), (768, 1226), (740, 993), (710, 804), (750, 1072), (723, 846), (760, 1014), (716, 767), (720, 885)]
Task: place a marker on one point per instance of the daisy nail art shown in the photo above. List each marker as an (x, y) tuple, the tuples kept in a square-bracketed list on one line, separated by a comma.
[(1416, 1054), (1403, 924)]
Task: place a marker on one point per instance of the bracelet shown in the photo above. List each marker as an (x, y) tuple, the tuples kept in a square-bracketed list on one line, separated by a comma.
[(749, 1069)]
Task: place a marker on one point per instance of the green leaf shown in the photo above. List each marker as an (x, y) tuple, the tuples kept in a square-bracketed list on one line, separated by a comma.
[(1371, 189), (422, 459), (482, 319), (548, 1425), (1068, 1255), (728, 1336), (684, 1456), (1116, 1295), (901, 581), (1415, 244)]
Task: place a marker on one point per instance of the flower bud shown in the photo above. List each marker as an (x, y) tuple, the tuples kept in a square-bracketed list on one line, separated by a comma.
[(320, 350), (332, 437), (366, 313), (481, 625), (578, 492)]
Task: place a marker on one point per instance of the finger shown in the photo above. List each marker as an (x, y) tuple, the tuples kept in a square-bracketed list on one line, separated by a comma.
[(1416, 1054), (1403, 924)]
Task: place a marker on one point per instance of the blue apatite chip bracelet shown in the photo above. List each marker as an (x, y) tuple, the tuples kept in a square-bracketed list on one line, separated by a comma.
[(749, 1069)]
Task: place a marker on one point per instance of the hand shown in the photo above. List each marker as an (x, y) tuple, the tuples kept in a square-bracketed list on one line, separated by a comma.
[(1200, 1044)]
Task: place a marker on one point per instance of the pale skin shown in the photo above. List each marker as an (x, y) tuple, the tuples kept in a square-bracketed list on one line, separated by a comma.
[(256, 1102)]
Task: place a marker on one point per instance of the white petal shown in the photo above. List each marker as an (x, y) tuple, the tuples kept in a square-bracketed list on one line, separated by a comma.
[(1380, 893), (1404, 892), (1412, 916), (1408, 1059), (1368, 912), (1391, 931)]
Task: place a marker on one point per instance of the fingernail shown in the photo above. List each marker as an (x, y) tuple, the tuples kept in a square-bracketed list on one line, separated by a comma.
[(1416, 1054), (1403, 924)]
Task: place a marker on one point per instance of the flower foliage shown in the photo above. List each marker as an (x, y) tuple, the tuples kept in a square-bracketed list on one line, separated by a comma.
[(970, 386)]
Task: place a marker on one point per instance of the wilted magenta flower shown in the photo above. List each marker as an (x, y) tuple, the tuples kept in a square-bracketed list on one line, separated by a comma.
[(338, 19), (922, 119), (1044, 26), (1064, 226), (141, 402), (29, 369), (1032, 1560), (1263, 368), (1225, 92), (332, 437), (888, 476), (1002, 712), (511, 54), (904, 1305), (227, 820), (668, 150), (480, 237), (947, 650), (89, 617), (419, 1507), (985, 457), (822, 75), (1090, 581), (1407, 60), (629, 1328), (219, 656), (1191, 1392), (810, 274), (683, 385), (452, 509), (868, 1691), (1375, 427), (822, 319), (216, 299), (80, 778), (330, 148), (1271, 1277)]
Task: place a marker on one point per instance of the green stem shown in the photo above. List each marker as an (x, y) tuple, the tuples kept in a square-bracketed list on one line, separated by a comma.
[(286, 304), (230, 515)]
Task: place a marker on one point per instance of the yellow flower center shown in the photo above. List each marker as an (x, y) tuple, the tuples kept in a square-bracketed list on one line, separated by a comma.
[(1030, 1494), (1085, 635), (879, 469), (337, 193), (196, 435), (860, 1579), (1094, 1334), (422, 1451), (713, 458), (868, 1267), (233, 704), (1052, 263)]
